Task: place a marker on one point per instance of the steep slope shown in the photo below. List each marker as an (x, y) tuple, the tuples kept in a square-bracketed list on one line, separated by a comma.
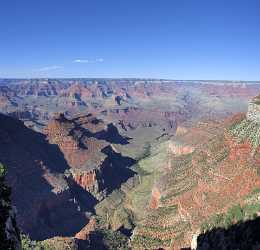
[(211, 180), (205, 176)]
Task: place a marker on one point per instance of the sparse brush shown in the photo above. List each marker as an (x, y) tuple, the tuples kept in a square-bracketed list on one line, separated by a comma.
[(246, 131)]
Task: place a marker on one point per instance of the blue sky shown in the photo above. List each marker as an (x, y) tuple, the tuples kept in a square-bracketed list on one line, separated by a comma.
[(174, 39)]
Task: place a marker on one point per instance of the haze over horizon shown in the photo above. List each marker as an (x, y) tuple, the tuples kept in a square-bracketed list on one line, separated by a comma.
[(138, 39)]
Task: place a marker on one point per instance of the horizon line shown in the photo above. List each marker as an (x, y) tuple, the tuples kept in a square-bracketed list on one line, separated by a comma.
[(122, 78)]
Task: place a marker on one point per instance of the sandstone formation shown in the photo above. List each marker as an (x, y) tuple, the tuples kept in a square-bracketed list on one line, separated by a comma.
[(85, 143)]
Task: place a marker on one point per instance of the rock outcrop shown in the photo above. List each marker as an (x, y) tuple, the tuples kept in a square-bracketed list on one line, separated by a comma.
[(86, 145), (253, 113), (84, 233)]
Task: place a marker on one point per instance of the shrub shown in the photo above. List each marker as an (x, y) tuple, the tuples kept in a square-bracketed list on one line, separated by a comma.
[(108, 239), (5, 207), (2, 171), (235, 213), (28, 244), (246, 130)]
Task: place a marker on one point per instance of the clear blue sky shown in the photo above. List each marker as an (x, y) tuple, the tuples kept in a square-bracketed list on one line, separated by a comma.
[(177, 39)]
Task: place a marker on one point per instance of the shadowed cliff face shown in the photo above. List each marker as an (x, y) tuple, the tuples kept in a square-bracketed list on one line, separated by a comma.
[(54, 185), (116, 169), (242, 236), (45, 205)]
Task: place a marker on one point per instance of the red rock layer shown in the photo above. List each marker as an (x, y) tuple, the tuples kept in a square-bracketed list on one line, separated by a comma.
[(81, 151), (87, 180), (156, 195), (83, 234)]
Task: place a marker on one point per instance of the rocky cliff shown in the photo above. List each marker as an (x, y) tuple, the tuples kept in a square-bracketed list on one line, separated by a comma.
[(57, 178), (253, 113), (86, 145), (41, 191)]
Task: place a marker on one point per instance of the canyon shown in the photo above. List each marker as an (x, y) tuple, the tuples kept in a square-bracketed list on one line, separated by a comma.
[(129, 163)]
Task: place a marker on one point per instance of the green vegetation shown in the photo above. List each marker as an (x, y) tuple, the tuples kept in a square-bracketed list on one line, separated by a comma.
[(149, 242), (150, 169), (160, 229), (5, 208), (159, 218), (114, 210), (139, 170), (256, 191), (246, 130), (129, 207), (112, 213), (114, 240), (2, 171), (235, 214), (104, 238), (56, 243), (146, 152), (28, 244), (180, 179)]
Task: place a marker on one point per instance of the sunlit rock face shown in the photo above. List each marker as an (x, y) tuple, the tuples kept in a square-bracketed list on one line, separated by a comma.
[(253, 113), (86, 144)]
